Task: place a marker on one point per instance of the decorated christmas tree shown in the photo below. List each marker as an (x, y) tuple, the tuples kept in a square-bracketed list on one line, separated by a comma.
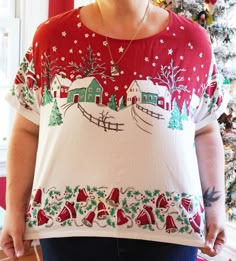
[(217, 16)]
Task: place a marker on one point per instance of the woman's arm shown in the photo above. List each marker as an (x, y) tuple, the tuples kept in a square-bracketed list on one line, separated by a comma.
[(20, 172), (210, 154)]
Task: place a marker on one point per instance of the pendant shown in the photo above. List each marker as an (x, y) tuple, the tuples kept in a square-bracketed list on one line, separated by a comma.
[(115, 70)]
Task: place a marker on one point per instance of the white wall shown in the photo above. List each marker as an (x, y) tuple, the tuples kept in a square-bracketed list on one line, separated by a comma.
[(83, 2), (31, 14)]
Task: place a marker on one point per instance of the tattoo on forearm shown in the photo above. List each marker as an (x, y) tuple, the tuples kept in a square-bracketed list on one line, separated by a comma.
[(210, 196)]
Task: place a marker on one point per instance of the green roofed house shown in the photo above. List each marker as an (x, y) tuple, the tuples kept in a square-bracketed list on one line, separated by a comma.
[(85, 90)]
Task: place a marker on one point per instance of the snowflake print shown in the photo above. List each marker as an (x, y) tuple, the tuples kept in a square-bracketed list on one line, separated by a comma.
[(153, 64), (140, 76), (202, 65), (98, 54), (194, 69), (167, 28), (146, 59), (75, 41), (105, 82), (37, 76), (156, 57), (71, 51), (181, 58), (116, 88), (189, 79), (93, 35), (79, 25), (135, 73), (80, 51), (126, 86), (201, 55), (182, 27), (162, 41), (105, 43), (190, 45), (174, 34), (198, 79), (63, 58), (121, 49), (170, 52), (63, 34), (122, 72), (54, 48), (106, 94), (86, 35)]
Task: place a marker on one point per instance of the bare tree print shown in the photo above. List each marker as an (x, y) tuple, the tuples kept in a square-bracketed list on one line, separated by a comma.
[(104, 117), (91, 65), (170, 77), (50, 68)]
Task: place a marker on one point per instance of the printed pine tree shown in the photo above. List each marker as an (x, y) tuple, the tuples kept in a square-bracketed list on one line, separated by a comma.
[(47, 96), (184, 115), (55, 117), (112, 102), (175, 120), (122, 104)]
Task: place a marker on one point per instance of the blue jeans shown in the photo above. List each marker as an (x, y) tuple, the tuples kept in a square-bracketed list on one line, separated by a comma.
[(113, 249)]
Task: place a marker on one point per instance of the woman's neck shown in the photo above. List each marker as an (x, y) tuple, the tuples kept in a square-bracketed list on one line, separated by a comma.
[(122, 11), (121, 18)]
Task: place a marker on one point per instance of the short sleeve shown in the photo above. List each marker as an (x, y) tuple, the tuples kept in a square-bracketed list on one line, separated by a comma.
[(25, 94), (214, 98)]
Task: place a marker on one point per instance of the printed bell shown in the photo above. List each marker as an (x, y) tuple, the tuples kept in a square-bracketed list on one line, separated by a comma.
[(150, 212), (88, 220), (143, 218), (113, 198), (162, 202), (37, 201), (102, 212), (42, 218), (170, 225), (82, 195), (67, 212), (187, 204), (121, 217), (195, 222)]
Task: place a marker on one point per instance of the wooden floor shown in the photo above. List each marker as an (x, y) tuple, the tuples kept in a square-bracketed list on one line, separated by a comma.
[(30, 256)]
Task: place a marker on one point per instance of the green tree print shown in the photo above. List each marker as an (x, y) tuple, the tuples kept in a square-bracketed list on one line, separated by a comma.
[(175, 120), (122, 104), (55, 117), (184, 112), (112, 102), (47, 96)]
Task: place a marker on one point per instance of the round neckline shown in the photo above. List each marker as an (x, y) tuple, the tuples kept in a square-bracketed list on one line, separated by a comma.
[(169, 24)]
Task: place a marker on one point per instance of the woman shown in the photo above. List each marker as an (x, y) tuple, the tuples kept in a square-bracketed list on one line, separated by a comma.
[(116, 141)]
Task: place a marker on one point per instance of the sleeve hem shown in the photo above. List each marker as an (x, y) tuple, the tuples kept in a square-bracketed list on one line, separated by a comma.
[(213, 116), (29, 114)]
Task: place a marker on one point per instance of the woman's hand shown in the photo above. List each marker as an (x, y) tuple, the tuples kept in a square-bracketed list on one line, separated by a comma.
[(11, 237)]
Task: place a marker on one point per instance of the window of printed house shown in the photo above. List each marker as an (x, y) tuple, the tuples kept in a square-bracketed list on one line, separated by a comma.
[(9, 60)]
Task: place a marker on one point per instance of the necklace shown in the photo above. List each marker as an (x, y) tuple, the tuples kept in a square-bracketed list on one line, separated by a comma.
[(114, 69)]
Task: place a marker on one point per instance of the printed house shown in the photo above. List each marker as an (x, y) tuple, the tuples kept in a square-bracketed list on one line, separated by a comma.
[(60, 86), (85, 90), (164, 97), (142, 91)]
